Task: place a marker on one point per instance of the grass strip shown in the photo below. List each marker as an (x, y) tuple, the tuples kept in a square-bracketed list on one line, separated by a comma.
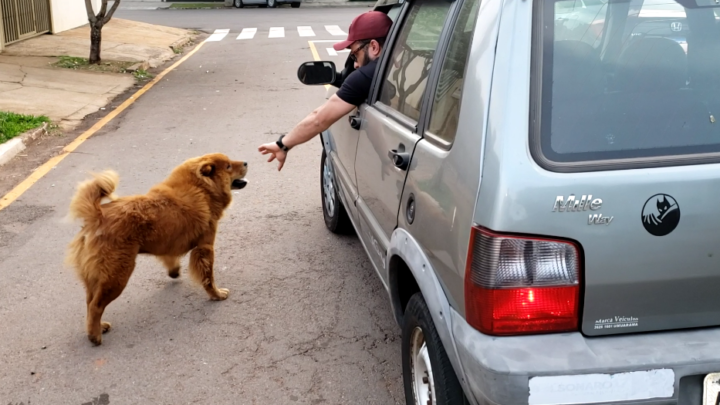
[(12, 125)]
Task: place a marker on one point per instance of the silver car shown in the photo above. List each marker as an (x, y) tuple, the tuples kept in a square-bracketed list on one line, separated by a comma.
[(535, 184)]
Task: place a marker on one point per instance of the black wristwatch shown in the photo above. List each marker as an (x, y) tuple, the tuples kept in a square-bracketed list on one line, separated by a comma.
[(281, 145)]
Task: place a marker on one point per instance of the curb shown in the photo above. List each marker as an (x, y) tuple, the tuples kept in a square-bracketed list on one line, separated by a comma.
[(144, 65), (180, 42), (13, 147)]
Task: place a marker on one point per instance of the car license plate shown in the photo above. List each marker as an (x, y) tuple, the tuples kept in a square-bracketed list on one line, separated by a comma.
[(711, 392)]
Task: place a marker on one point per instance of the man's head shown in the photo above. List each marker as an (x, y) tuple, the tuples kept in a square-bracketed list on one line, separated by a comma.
[(366, 37)]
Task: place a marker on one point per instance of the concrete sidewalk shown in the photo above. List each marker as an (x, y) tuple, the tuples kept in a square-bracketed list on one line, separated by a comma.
[(30, 85)]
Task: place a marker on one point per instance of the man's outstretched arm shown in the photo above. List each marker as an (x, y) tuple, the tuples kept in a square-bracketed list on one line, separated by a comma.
[(315, 123)]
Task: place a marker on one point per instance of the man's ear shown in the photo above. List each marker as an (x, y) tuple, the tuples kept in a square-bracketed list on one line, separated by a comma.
[(207, 170)]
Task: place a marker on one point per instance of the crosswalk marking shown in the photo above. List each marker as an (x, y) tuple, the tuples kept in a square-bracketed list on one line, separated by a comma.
[(218, 35), (306, 31), (247, 33), (276, 32), (334, 30), (333, 52)]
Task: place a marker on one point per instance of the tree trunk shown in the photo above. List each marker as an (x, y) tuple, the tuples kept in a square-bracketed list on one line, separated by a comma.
[(96, 24), (95, 39)]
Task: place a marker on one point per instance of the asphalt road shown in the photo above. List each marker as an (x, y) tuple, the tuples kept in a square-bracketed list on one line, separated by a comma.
[(250, 16), (307, 320)]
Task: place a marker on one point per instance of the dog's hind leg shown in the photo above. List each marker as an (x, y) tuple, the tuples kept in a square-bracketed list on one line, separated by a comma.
[(95, 327), (100, 294), (172, 264), (201, 269)]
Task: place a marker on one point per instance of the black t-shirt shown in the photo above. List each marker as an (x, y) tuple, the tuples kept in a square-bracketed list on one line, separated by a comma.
[(355, 89)]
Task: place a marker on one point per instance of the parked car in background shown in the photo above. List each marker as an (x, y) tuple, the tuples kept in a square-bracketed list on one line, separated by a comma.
[(536, 184)]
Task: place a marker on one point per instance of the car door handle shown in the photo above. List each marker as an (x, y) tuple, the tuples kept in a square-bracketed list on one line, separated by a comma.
[(401, 160), (355, 122)]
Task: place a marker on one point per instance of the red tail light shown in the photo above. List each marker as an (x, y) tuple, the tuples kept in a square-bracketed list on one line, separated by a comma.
[(517, 285)]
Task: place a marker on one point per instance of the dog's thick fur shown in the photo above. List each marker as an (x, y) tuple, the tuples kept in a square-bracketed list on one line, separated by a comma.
[(176, 216)]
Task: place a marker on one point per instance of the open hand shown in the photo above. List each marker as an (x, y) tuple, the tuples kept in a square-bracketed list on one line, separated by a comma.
[(275, 153)]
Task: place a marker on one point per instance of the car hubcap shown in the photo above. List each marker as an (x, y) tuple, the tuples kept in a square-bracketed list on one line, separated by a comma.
[(329, 188), (422, 377)]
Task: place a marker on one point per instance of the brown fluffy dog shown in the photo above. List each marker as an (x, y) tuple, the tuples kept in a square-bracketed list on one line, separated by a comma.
[(176, 216)]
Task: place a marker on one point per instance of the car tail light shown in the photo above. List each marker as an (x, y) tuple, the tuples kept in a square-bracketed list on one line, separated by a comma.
[(521, 285)]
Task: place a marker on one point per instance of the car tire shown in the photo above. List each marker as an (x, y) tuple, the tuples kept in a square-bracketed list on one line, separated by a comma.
[(428, 376), (295, 5), (336, 218), (272, 3), (238, 3)]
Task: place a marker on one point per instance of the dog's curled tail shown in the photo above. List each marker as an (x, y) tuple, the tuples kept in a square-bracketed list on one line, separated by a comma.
[(85, 204)]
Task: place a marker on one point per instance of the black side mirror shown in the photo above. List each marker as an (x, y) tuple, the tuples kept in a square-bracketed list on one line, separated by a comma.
[(311, 73)]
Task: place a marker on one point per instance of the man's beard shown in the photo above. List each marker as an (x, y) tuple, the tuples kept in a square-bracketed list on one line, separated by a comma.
[(366, 59)]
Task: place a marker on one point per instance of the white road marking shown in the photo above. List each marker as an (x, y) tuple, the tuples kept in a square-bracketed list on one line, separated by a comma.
[(333, 52), (277, 32), (305, 31), (334, 30), (218, 35), (247, 33)]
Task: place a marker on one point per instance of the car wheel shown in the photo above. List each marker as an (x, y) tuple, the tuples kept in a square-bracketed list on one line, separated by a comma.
[(427, 373), (336, 218), (272, 3), (238, 3), (295, 5)]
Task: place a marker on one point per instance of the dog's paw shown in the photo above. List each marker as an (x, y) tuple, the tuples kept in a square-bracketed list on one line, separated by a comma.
[(174, 273), (106, 327), (96, 340), (221, 294)]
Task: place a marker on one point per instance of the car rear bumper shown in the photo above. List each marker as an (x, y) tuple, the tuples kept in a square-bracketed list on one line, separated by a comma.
[(650, 368)]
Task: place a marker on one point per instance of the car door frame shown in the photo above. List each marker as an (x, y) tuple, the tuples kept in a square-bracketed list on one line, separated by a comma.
[(416, 127)]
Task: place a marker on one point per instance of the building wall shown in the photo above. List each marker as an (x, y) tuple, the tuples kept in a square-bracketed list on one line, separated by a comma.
[(69, 14)]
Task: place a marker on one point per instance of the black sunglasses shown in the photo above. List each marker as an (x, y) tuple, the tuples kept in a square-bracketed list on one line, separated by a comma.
[(353, 55)]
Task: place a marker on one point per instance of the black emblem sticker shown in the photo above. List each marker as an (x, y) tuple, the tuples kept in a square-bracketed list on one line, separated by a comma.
[(661, 214)]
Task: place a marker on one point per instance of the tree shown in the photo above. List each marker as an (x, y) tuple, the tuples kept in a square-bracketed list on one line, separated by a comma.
[(96, 24)]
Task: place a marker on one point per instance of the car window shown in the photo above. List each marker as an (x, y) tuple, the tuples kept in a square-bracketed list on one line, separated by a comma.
[(580, 20), (644, 85), (446, 102), (411, 58)]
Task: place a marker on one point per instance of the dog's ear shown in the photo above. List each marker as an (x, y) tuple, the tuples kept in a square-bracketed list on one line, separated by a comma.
[(207, 170)]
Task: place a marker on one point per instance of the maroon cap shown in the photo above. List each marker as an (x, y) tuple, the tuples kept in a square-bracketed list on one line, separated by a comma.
[(370, 25)]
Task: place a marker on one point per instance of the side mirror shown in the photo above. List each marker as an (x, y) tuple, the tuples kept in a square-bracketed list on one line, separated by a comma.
[(311, 73)]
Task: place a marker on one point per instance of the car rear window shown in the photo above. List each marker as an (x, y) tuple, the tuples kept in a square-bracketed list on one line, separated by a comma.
[(628, 80)]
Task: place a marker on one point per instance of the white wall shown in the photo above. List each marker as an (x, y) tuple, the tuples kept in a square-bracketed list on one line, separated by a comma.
[(69, 14)]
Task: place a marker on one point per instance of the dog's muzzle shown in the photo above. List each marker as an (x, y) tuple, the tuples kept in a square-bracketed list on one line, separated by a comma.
[(238, 184)]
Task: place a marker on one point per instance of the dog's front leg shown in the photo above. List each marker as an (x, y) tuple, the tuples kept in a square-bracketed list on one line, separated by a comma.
[(201, 268), (172, 264)]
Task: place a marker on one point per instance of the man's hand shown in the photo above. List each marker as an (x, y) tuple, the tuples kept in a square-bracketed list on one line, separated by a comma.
[(275, 153), (312, 125)]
